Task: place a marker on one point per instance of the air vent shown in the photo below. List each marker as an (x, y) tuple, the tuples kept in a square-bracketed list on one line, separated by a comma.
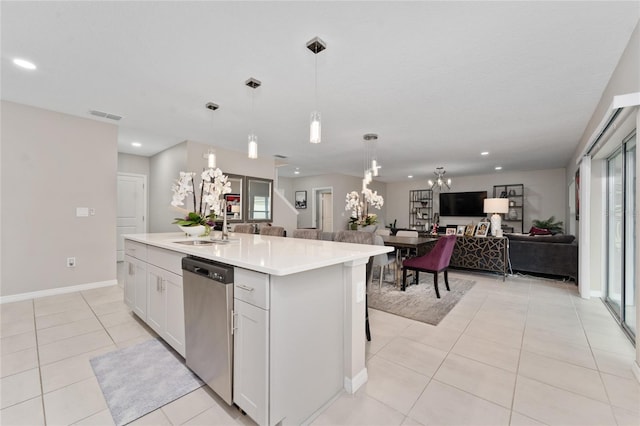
[(103, 114), (282, 157)]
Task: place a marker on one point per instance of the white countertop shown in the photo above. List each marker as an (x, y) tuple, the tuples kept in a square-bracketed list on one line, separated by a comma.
[(262, 253)]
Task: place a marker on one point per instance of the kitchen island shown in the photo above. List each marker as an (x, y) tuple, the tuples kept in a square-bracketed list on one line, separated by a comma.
[(300, 335)]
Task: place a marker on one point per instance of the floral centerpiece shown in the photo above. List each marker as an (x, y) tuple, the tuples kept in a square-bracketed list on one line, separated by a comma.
[(359, 206), (213, 185)]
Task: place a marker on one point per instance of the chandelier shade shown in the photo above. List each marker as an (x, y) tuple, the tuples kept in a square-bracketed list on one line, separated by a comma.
[(253, 139), (316, 45)]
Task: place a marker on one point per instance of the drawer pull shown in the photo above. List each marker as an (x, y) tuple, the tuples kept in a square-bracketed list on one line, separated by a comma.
[(245, 287)]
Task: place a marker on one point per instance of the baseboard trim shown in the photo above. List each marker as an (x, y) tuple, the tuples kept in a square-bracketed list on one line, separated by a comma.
[(596, 293), (56, 291), (352, 385)]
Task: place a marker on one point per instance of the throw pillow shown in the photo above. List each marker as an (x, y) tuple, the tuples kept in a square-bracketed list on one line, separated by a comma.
[(539, 231)]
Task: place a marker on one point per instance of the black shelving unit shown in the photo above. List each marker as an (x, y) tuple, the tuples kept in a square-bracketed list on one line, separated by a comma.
[(420, 209), (515, 217)]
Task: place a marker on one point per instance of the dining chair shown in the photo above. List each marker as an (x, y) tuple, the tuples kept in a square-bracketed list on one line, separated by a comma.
[(307, 234), (435, 261), (276, 231), (405, 253), (243, 228), (359, 237), (383, 260)]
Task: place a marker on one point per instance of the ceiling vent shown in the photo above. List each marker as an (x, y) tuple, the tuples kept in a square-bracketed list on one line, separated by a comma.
[(105, 115)]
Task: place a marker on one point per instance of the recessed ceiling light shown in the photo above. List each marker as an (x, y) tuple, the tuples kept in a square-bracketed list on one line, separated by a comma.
[(23, 63), (410, 176), (136, 144), (498, 167), (484, 153), (296, 171)]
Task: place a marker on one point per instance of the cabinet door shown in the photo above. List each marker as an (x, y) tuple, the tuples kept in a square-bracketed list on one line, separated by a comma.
[(155, 300), (174, 322), (129, 282), (251, 360), (139, 280)]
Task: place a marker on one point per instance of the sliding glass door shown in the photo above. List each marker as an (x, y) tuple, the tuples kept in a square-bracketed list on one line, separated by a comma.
[(621, 229)]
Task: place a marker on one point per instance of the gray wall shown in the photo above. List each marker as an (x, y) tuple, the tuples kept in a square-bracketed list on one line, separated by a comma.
[(341, 185), (51, 164), (129, 163), (545, 195)]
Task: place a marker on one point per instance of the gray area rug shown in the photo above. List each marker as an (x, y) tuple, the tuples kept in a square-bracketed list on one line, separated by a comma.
[(142, 378), (419, 302)]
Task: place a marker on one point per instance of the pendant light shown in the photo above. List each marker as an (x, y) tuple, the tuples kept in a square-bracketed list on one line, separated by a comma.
[(371, 160), (253, 139), (210, 155), (315, 129)]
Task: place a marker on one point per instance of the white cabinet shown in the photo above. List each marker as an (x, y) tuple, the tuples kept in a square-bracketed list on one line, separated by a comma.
[(165, 302), (251, 344), (251, 360), (135, 285)]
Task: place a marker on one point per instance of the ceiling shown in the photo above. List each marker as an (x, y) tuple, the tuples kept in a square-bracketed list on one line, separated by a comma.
[(439, 82)]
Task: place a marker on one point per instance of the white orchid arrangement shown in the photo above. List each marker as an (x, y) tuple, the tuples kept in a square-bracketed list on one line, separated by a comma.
[(360, 207), (213, 185)]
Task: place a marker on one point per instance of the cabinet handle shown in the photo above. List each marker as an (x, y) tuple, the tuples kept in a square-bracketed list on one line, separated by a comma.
[(245, 287), (233, 322), (130, 268)]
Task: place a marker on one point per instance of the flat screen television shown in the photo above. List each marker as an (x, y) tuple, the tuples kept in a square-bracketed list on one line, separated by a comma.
[(462, 203)]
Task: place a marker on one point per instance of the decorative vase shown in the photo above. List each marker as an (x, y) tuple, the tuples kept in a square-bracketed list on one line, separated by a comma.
[(194, 231), (513, 214)]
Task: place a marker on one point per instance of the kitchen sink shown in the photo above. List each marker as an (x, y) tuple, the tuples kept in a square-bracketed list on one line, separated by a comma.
[(196, 242)]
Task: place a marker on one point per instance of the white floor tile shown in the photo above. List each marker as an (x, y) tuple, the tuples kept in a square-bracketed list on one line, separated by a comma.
[(17, 327), (74, 402), (16, 311), (17, 343), (154, 418), (66, 317), (70, 370), (438, 337), (518, 419), (72, 346), (101, 418), (623, 393), (19, 387), (394, 385), (563, 375), (189, 406), (488, 352), (26, 413), (358, 409), (485, 381), (421, 358), (614, 363), (441, 404), (17, 362), (555, 406), (64, 331)]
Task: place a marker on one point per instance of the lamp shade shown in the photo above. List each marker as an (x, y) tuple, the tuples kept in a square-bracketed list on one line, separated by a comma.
[(496, 205)]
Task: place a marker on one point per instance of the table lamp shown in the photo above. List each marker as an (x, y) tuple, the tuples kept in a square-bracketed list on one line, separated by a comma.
[(235, 209), (496, 206)]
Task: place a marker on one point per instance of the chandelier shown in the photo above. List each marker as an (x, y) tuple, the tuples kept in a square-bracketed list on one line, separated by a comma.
[(316, 45), (440, 181)]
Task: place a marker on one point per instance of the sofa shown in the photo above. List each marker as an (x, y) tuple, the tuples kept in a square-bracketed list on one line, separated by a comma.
[(544, 254)]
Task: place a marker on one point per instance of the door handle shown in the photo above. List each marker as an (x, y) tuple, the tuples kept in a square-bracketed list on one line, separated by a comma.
[(245, 287)]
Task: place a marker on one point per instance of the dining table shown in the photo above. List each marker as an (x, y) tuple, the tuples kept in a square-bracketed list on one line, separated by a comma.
[(419, 244)]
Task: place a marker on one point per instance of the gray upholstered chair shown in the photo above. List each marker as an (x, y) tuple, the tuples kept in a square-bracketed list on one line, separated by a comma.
[(307, 234), (276, 231), (359, 237), (243, 228), (383, 260)]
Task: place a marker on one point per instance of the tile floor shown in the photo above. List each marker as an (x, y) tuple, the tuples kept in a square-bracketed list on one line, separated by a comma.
[(525, 352)]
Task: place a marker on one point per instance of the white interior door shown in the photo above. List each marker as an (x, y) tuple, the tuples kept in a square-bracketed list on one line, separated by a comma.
[(327, 211), (132, 205)]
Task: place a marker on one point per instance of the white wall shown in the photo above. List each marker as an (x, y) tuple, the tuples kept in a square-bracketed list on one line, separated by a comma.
[(51, 164), (129, 163), (545, 195)]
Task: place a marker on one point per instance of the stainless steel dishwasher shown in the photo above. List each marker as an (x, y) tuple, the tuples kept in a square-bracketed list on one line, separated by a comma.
[(208, 301)]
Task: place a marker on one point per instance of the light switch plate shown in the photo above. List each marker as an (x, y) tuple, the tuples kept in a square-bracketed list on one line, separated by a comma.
[(82, 211)]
